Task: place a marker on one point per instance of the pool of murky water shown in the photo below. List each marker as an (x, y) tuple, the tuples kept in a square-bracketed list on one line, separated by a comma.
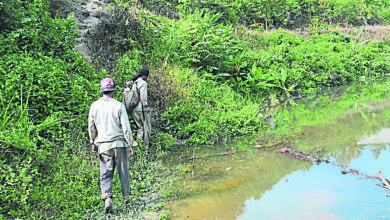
[(263, 184)]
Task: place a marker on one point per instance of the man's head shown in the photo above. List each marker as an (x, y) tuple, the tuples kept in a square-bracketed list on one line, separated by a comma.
[(107, 85)]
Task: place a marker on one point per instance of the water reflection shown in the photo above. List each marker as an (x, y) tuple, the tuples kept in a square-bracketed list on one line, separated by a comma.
[(267, 185), (340, 131), (271, 186), (248, 178), (382, 137), (320, 193)]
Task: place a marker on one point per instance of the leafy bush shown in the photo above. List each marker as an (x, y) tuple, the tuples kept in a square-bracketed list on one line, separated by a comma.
[(198, 42), (11, 12), (55, 85), (126, 67), (38, 58), (257, 65), (293, 14), (211, 111), (276, 62), (37, 32), (27, 151), (46, 87), (284, 62)]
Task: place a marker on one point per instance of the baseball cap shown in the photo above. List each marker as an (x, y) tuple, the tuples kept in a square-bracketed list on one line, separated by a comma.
[(107, 84)]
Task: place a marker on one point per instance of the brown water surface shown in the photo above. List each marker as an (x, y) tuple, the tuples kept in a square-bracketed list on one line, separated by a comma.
[(264, 184)]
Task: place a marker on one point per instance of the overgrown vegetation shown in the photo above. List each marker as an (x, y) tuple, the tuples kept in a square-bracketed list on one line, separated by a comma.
[(47, 170), (286, 14), (213, 67), (255, 65)]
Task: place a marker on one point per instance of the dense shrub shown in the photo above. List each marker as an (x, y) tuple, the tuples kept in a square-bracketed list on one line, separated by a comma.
[(11, 12), (47, 88), (256, 65), (275, 62), (286, 14), (36, 32), (27, 153), (197, 41), (208, 111), (212, 71), (321, 60), (54, 85)]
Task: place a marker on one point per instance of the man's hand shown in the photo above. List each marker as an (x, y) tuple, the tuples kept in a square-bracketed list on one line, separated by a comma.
[(94, 148), (131, 151)]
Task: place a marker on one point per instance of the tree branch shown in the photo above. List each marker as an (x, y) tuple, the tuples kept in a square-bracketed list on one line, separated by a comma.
[(383, 179)]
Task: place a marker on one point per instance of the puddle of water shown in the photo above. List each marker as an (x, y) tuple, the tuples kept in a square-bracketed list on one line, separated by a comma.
[(282, 188), (225, 196), (267, 185)]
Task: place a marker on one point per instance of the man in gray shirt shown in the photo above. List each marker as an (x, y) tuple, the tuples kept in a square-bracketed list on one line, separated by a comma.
[(110, 134)]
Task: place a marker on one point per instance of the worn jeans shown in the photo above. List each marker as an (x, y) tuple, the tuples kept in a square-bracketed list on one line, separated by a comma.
[(116, 157)]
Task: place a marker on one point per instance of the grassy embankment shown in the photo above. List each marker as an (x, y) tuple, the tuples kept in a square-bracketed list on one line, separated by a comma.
[(211, 72)]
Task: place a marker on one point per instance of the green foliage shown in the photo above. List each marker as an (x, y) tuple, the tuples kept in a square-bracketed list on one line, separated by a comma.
[(45, 84), (27, 150), (325, 108), (46, 168), (214, 76), (304, 63), (55, 85), (38, 58), (276, 62), (72, 189), (11, 12), (257, 65), (163, 140), (292, 14), (212, 112), (197, 41), (38, 33), (127, 67)]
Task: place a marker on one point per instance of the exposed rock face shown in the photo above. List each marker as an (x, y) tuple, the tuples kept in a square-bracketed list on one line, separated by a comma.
[(87, 23), (88, 14)]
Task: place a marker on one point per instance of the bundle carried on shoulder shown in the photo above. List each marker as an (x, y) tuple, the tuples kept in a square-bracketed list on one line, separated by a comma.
[(130, 96)]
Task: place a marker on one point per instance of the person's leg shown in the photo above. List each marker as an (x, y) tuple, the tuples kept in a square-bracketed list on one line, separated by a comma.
[(122, 164), (107, 166), (138, 119), (146, 128)]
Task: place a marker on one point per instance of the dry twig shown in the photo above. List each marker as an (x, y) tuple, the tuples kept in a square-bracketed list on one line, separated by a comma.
[(383, 179)]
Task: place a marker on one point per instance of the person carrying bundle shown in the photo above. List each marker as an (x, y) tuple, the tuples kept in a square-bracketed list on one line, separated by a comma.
[(135, 99)]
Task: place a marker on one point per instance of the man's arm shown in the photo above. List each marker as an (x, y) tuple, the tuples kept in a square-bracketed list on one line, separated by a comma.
[(124, 119), (143, 90), (92, 130)]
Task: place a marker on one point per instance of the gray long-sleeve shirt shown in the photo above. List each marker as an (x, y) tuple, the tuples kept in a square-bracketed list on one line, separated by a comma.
[(108, 123), (143, 91)]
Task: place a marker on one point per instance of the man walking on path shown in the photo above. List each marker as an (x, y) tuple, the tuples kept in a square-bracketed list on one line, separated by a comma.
[(110, 134), (141, 113)]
